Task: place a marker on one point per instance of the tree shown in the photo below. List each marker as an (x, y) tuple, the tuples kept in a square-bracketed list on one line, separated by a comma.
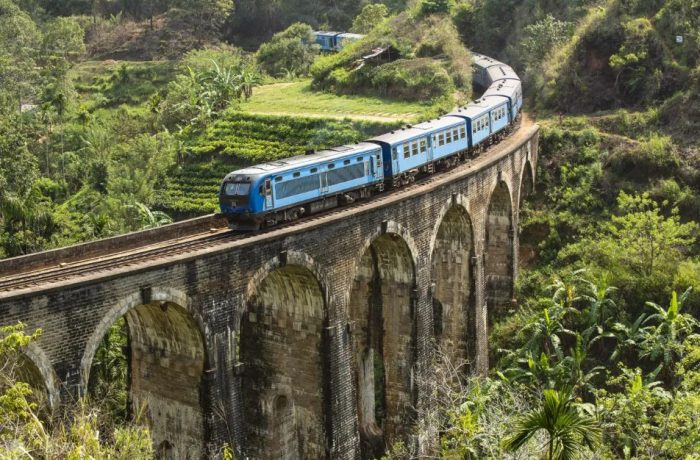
[(64, 38), (19, 40), (569, 431), (542, 36), (370, 16), (651, 241), (206, 16), (292, 49), (435, 6)]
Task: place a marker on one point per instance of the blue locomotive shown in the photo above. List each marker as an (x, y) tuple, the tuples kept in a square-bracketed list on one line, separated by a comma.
[(284, 190)]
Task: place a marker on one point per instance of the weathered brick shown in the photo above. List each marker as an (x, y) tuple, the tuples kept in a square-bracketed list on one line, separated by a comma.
[(307, 304)]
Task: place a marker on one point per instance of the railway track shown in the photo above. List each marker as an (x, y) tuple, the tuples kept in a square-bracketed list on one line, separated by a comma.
[(193, 243)]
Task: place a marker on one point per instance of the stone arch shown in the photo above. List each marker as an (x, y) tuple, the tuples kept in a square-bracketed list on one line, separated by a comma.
[(498, 251), (453, 284), (527, 182), (526, 251), (282, 342), (381, 313), (36, 370), (167, 356)]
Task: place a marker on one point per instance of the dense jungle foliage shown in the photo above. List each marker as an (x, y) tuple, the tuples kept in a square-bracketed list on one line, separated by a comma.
[(600, 355)]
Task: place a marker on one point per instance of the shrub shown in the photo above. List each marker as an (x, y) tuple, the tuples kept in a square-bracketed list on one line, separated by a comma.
[(290, 51)]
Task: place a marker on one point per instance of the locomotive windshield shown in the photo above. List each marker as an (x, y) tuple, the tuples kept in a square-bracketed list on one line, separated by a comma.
[(236, 189)]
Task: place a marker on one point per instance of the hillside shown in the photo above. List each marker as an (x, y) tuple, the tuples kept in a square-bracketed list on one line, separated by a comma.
[(423, 60)]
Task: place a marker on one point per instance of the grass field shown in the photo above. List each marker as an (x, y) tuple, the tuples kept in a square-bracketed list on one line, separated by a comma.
[(297, 99)]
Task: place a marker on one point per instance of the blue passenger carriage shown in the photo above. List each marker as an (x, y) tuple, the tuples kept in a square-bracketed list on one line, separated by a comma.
[(485, 117), (405, 153), (448, 136), (287, 189), (480, 67), (344, 39), (326, 40), (512, 91)]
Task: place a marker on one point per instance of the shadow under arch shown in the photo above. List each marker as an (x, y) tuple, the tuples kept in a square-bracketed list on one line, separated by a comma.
[(452, 286), (498, 251), (283, 338), (166, 357), (527, 183), (382, 318), (35, 369)]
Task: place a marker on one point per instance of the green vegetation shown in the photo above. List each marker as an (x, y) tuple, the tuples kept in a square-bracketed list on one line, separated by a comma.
[(601, 357), (424, 61), (30, 430), (298, 98), (289, 53), (238, 140)]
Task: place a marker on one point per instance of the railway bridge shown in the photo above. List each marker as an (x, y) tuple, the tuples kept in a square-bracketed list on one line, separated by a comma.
[(303, 341)]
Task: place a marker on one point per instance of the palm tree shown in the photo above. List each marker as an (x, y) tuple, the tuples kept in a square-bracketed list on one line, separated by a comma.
[(568, 430)]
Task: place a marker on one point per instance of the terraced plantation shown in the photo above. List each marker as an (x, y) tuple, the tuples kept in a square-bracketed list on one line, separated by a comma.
[(242, 139)]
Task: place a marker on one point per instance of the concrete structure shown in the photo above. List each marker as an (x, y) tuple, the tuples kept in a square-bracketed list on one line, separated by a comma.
[(301, 342)]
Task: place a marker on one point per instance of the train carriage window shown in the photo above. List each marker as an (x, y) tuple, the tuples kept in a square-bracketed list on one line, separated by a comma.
[(462, 132), (359, 159), (331, 165), (474, 129), (394, 153), (297, 174), (278, 178), (448, 137), (423, 145), (441, 139), (313, 170), (455, 134), (346, 162), (414, 148), (406, 150)]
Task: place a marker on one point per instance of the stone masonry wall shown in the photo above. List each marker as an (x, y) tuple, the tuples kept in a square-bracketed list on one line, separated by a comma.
[(290, 299)]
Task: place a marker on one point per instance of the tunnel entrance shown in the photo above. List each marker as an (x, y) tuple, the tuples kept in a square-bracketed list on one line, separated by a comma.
[(498, 264), (381, 311), (151, 362), (452, 287), (282, 338)]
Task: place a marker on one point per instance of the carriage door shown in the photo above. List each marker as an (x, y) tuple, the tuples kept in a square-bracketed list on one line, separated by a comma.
[(377, 172), (395, 159), (324, 182), (268, 194)]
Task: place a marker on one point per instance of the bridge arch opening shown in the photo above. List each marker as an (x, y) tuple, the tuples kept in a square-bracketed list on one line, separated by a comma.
[(452, 287), (282, 343), (381, 311), (24, 369), (527, 183), (498, 263), (527, 252), (150, 361)]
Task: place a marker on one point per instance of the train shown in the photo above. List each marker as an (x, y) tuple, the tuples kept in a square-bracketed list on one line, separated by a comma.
[(334, 41), (267, 194)]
